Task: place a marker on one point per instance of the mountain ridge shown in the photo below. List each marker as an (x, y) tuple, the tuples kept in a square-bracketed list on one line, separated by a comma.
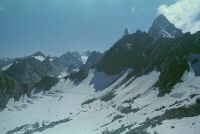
[(28, 71), (144, 54)]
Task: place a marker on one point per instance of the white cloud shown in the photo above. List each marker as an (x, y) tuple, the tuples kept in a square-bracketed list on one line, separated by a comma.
[(133, 9), (184, 14)]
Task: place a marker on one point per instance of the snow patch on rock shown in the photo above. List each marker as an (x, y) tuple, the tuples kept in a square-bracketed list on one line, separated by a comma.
[(6, 67), (84, 58), (39, 57)]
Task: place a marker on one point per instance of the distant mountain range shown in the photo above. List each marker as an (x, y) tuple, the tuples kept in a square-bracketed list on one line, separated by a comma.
[(27, 71)]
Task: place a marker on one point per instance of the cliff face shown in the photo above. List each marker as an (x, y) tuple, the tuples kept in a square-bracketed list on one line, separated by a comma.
[(163, 28), (170, 56)]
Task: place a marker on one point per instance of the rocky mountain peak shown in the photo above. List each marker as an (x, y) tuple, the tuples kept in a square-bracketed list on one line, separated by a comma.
[(126, 32), (163, 28), (39, 53)]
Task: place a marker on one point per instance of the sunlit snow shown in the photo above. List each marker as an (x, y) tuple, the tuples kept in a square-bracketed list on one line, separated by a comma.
[(66, 98), (6, 67)]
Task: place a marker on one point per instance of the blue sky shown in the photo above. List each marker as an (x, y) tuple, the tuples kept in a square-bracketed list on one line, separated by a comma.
[(57, 26)]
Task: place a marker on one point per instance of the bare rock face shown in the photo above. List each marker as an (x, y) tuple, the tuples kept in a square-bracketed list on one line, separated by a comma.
[(163, 28), (126, 32)]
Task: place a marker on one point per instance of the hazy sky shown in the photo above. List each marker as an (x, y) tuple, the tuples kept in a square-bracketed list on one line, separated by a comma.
[(57, 26)]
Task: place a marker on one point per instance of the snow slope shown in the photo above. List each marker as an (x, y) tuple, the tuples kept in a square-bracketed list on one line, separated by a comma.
[(6, 67), (79, 109)]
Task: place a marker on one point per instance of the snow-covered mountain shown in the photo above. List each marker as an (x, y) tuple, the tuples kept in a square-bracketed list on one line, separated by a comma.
[(27, 71), (39, 56), (141, 85)]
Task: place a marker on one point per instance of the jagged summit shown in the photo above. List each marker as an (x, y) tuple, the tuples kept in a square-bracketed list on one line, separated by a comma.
[(126, 32), (93, 59), (39, 56), (39, 53), (71, 60), (162, 27), (87, 53)]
